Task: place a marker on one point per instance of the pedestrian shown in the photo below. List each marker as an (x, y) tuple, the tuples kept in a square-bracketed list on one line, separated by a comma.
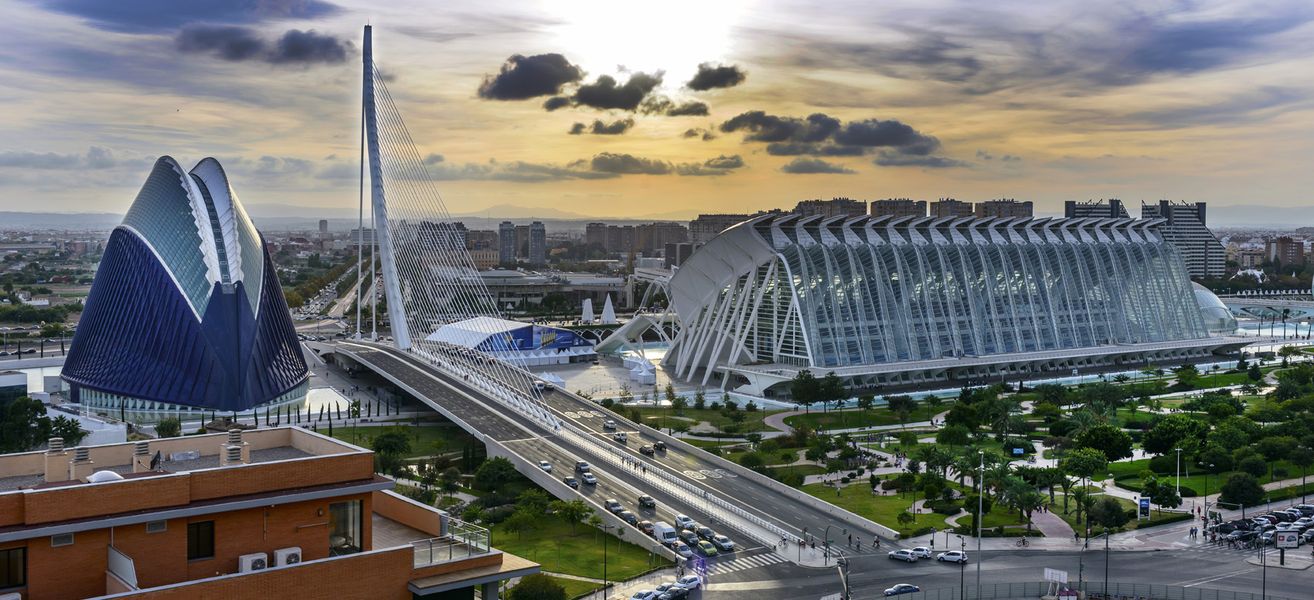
[(850, 540)]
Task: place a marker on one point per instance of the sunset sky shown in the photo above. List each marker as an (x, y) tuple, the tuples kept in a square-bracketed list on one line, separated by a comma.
[(627, 109)]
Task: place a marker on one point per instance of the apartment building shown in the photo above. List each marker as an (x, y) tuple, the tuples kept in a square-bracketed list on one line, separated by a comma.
[(270, 513), (1186, 228), (948, 207), (835, 207), (1103, 209), (898, 207), (1004, 208)]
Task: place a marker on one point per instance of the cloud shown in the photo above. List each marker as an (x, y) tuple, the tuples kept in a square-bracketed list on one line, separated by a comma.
[(661, 105), (96, 157), (236, 44), (523, 77), (605, 93), (873, 133), (811, 166), (157, 16), (628, 164), (721, 165), (983, 155), (1011, 158), (798, 148), (716, 76), (555, 102), (699, 132), (770, 128), (822, 135), (433, 159), (888, 158), (600, 128)]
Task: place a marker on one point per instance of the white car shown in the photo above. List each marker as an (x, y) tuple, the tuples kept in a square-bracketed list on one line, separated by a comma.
[(588, 479), (903, 555), (609, 424), (545, 465), (689, 582), (723, 543), (955, 556), (683, 521), (921, 552)]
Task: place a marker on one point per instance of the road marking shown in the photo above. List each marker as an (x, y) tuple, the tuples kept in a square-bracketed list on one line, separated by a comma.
[(1213, 578), (694, 475), (710, 473), (726, 473)]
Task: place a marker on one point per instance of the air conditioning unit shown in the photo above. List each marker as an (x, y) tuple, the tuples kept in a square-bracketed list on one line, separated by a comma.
[(247, 563), (287, 556)]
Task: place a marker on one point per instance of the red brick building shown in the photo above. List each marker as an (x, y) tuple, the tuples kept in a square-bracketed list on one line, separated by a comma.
[(270, 513)]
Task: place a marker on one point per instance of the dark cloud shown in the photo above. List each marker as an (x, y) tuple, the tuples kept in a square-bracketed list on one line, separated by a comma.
[(555, 102), (515, 171), (308, 47), (699, 132), (721, 165), (716, 76), (770, 128), (1011, 158), (525, 77), (661, 105), (628, 164), (433, 159), (801, 148), (687, 109), (600, 128), (890, 158), (983, 155), (605, 93), (234, 43), (156, 16), (873, 133), (812, 166)]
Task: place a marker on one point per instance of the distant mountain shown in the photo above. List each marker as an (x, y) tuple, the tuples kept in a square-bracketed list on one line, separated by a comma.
[(36, 220), (1243, 215)]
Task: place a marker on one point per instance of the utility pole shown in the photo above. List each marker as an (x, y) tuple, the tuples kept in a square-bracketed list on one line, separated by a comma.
[(980, 502), (1179, 472)]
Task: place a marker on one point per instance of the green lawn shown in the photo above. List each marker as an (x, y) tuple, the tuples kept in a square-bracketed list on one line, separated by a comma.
[(663, 418), (574, 587), (885, 510), (1221, 380), (426, 439), (1156, 516), (803, 470), (580, 553), (872, 417), (1127, 475)]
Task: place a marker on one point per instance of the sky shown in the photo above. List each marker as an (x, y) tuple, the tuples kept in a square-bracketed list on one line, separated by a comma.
[(640, 110)]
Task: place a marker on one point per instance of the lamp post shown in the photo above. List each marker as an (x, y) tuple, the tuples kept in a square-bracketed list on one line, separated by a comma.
[(1206, 496), (962, 569), (606, 531), (980, 502), (1179, 471), (1106, 561)]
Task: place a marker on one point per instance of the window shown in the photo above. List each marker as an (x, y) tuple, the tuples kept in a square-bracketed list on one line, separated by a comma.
[(344, 528), (200, 540), (157, 527), (63, 539), (13, 568)]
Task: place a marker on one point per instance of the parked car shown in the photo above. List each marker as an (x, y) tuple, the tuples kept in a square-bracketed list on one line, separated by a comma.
[(706, 548), (903, 555), (921, 552), (646, 501), (689, 582), (901, 588), (588, 478), (723, 543), (612, 505), (682, 521), (545, 465), (954, 556), (571, 482)]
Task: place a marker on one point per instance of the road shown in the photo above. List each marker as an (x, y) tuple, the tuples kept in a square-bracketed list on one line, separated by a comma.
[(529, 439)]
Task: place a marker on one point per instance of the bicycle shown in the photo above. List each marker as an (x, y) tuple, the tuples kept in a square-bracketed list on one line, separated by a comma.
[(1022, 542)]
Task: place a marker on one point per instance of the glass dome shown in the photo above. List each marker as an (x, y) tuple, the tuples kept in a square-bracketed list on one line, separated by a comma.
[(1218, 319)]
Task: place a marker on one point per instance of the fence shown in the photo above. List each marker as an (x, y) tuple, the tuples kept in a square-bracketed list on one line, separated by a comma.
[(461, 541), (1095, 590)]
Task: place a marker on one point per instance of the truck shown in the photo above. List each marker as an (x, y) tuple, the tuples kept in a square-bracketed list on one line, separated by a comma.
[(664, 533)]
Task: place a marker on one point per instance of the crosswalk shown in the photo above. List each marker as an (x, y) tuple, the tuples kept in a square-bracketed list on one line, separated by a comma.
[(722, 566)]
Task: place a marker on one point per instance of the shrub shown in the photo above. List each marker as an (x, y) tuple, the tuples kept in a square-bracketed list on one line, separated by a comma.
[(497, 514), (944, 508)]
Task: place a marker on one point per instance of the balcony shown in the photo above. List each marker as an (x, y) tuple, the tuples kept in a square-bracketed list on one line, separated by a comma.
[(434, 536)]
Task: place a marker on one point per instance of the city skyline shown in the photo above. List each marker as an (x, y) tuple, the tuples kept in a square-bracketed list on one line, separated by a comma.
[(1189, 103)]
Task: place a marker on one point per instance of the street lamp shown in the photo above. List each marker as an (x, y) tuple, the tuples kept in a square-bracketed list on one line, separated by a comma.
[(606, 531), (980, 491), (1206, 496), (962, 569), (1106, 561), (1179, 471)]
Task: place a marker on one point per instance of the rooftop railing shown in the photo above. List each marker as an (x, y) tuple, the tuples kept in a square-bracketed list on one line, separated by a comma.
[(462, 540)]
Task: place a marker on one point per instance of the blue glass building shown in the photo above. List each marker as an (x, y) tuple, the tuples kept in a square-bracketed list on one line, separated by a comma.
[(186, 310)]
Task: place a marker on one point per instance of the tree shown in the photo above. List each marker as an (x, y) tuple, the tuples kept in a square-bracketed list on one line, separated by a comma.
[(906, 518), (1253, 464), (520, 521), (866, 402), (1173, 431), (902, 406), (449, 481), (1108, 513), (1254, 373), (953, 435), (805, 389), (1162, 493), (1114, 443), (537, 587), (389, 448), (1084, 462), (68, 429), (169, 427), (832, 388), (572, 511), (23, 425), (494, 473), (534, 500), (1303, 457), (1242, 489), (1187, 376)]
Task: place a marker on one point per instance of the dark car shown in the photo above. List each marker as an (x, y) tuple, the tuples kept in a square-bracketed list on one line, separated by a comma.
[(629, 517), (689, 538), (676, 593), (647, 450), (659, 446), (901, 588), (705, 533), (572, 482), (646, 501)]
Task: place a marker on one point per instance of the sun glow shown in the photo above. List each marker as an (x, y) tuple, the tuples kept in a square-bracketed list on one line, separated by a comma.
[(610, 37)]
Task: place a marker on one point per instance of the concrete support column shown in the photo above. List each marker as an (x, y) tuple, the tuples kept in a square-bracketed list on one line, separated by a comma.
[(489, 591)]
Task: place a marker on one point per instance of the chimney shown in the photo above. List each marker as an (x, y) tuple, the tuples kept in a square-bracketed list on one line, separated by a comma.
[(80, 467), (141, 457), (231, 455), (235, 441), (56, 461)]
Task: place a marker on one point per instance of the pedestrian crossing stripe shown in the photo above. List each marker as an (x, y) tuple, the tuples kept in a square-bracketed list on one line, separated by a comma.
[(742, 563)]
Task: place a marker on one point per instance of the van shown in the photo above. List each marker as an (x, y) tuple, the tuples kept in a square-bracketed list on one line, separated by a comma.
[(664, 533)]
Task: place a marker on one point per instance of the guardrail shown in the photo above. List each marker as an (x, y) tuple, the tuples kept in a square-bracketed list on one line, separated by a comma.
[(1090, 590)]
